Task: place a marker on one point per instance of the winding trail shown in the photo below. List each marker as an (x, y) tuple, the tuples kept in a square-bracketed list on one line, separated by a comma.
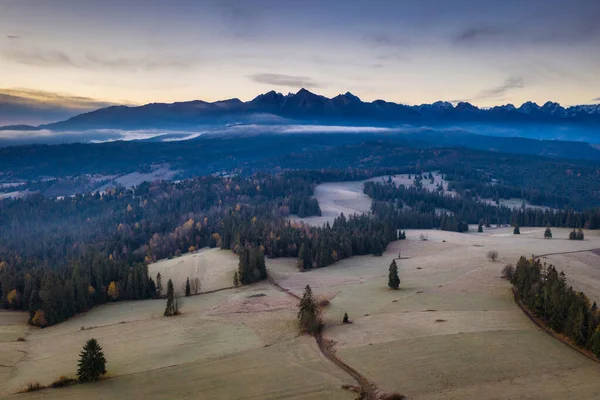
[(368, 390), (565, 252)]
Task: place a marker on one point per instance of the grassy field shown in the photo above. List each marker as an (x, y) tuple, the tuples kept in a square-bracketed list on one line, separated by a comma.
[(451, 332), (214, 268)]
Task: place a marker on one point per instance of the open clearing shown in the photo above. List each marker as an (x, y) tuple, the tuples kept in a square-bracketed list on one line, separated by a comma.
[(214, 268), (348, 197), (451, 332)]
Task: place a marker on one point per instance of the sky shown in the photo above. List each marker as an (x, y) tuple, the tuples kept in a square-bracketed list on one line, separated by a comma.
[(63, 57)]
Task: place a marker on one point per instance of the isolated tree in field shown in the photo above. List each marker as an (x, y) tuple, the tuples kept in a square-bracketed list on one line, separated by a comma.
[(188, 288), (92, 363), (170, 308), (480, 227), (308, 312), (492, 255), (517, 231), (158, 285), (579, 234), (393, 278), (548, 233), (345, 320)]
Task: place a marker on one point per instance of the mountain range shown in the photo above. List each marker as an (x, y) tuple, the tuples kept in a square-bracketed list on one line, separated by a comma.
[(307, 107)]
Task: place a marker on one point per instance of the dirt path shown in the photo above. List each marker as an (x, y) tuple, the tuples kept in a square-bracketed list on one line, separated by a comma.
[(565, 252), (368, 390)]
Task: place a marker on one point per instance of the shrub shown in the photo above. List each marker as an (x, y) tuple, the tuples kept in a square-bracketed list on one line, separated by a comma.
[(492, 255), (508, 271), (21, 339), (63, 381), (345, 320), (323, 303), (32, 387), (517, 231), (394, 396)]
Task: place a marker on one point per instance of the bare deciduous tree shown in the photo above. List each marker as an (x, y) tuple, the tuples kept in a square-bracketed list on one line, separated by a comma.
[(177, 304), (195, 283), (492, 255)]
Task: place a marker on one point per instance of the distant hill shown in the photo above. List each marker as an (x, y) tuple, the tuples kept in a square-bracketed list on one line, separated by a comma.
[(19, 128), (307, 107)]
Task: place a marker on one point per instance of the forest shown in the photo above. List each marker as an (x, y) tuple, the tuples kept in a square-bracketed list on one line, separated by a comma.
[(62, 256)]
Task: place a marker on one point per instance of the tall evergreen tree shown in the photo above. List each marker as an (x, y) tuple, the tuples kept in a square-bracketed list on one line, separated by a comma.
[(308, 312), (393, 278), (158, 285), (92, 363), (170, 308), (188, 289)]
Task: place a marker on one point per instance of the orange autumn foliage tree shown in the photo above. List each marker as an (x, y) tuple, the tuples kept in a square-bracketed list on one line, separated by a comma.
[(113, 291), (39, 319)]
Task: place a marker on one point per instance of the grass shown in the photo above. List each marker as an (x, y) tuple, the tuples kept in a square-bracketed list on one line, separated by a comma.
[(32, 387), (63, 381)]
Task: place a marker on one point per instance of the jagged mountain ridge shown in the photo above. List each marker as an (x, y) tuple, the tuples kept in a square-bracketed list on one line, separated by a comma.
[(305, 106)]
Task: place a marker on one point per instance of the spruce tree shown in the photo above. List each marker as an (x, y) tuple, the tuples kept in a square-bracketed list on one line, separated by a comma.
[(345, 320), (158, 285), (548, 233), (170, 308), (516, 231), (393, 278), (188, 289), (236, 280), (480, 228), (91, 363), (307, 314)]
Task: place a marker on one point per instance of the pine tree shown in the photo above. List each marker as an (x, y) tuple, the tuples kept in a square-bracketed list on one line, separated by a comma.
[(91, 363), (170, 308), (236, 280), (345, 320), (480, 228), (548, 233), (308, 312), (393, 278), (516, 231), (188, 289), (158, 285)]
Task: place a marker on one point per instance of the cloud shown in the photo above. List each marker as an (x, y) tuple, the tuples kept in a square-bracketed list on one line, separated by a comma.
[(56, 58), (28, 106), (500, 90), (596, 99), (284, 80), (13, 37), (472, 34), (46, 58), (379, 38)]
